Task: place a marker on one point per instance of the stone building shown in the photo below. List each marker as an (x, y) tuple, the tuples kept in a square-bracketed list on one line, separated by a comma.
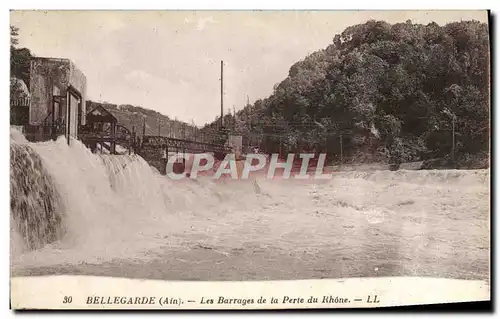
[(57, 97)]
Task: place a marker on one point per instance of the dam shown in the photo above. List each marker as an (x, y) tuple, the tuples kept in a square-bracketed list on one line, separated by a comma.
[(98, 214), (89, 196)]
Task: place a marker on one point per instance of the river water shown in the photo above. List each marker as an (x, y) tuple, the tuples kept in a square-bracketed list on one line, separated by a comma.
[(74, 212)]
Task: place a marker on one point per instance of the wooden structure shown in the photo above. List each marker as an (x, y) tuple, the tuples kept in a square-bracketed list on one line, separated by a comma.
[(103, 131)]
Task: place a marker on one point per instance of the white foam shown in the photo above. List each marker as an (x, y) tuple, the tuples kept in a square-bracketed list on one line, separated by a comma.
[(118, 207)]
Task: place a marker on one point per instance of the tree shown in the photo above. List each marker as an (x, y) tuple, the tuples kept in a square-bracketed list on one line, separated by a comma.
[(383, 87), (19, 58), (19, 79)]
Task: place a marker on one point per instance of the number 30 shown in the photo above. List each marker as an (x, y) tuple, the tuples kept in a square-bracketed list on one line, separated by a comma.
[(67, 299)]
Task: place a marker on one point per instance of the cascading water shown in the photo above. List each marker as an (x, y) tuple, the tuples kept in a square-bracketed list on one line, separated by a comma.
[(36, 210), (74, 208), (74, 205), (71, 206)]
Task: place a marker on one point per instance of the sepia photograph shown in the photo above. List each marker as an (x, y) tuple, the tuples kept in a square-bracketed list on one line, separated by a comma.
[(312, 159)]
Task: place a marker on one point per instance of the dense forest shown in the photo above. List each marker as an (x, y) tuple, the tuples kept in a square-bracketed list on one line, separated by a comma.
[(381, 93)]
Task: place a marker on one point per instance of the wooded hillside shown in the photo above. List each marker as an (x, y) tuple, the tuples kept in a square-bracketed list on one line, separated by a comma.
[(389, 93)]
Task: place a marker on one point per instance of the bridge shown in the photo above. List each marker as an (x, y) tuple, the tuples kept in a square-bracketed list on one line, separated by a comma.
[(57, 106), (152, 148), (155, 149), (103, 131), (176, 144)]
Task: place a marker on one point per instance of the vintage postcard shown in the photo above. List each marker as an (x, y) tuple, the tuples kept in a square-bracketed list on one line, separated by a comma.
[(249, 159)]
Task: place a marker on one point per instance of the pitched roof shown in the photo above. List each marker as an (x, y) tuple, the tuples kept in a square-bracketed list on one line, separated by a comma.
[(99, 113)]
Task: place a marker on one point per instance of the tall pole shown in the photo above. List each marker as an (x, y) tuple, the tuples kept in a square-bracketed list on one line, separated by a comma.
[(221, 93), (234, 118), (143, 132), (453, 140), (341, 150), (133, 141)]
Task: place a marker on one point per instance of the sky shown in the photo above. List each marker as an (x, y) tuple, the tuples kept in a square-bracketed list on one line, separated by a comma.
[(169, 61)]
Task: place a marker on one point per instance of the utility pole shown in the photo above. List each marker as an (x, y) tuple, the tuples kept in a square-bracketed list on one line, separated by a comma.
[(453, 118), (281, 147), (453, 139), (233, 119), (221, 94), (194, 137), (159, 134), (132, 142), (341, 150)]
